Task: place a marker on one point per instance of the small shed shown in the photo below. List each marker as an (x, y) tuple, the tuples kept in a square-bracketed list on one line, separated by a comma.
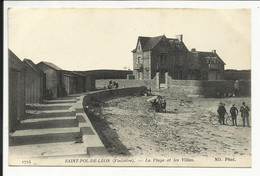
[(73, 82), (16, 70), (34, 82), (52, 78), (90, 82)]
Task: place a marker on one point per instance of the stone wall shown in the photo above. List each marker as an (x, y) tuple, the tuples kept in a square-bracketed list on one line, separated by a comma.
[(208, 88), (91, 140), (101, 83), (186, 87), (113, 92)]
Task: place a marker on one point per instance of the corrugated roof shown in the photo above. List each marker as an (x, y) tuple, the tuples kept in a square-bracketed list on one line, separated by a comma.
[(51, 65)]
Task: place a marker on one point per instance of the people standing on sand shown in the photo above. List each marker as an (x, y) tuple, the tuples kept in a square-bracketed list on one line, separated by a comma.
[(245, 114), (234, 113), (221, 112)]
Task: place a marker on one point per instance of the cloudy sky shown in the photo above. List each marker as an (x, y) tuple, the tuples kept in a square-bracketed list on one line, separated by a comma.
[(86, 39)]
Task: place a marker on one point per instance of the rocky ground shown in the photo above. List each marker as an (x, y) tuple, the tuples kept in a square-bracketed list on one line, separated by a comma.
[(129, 127)]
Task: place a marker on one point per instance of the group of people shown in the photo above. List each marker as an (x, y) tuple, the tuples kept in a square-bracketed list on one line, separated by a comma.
[(244, 110), (112, 85), (159, 104)]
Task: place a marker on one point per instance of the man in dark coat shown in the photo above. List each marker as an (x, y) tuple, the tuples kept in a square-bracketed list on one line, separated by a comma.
[(245, 114), (234, 113), (221, 112)]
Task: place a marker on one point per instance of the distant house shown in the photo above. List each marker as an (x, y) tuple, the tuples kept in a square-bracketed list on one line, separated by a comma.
[(16, 90), (162, 54), (34, 82), (203, 65)]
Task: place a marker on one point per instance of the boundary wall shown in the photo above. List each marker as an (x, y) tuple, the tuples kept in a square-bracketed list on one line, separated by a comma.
[(186, 87), (91, 140)]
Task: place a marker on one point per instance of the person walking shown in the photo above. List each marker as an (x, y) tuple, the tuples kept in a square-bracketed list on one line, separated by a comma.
[(234, 113), (245, 114)]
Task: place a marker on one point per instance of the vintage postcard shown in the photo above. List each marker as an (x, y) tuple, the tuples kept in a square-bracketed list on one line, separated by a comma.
[(129, 87)]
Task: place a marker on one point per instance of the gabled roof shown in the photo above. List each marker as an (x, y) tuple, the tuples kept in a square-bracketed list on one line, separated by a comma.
[(208, 55), (51, 65), (144, 40), (148, 43), (179, 45), (14, 62), (33, 66), (151, 43)]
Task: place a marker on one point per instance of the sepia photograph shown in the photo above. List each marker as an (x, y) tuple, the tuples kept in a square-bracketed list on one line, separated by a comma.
[(129, 87)]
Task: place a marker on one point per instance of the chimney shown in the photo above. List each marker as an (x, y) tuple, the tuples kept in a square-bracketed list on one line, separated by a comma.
[(193, 49), (214, 51), (179, 37)]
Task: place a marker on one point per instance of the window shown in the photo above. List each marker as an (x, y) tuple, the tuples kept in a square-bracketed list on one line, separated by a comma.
[(139, 47), (163, 58), (138, 60)]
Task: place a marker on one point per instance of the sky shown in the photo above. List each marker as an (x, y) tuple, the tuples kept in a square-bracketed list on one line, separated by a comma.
[(87, 39)]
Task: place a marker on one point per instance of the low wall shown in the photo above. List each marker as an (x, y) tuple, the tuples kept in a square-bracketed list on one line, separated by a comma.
[(186, 87), (91, 140), (208, 88), (101, 83)]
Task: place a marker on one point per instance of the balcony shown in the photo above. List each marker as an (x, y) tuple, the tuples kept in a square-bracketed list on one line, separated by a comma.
[(138, 66)]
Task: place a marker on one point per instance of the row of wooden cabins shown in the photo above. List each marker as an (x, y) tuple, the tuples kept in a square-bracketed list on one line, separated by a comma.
[(31, 83)]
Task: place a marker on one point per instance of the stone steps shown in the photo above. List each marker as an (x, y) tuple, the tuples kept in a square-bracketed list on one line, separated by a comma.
[(31, 114), (50, 130), (60, 101), (45, 107), (45, 123), (41, 136)]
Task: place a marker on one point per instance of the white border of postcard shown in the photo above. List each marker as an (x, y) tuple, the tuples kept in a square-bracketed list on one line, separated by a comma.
[(68, 171)]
